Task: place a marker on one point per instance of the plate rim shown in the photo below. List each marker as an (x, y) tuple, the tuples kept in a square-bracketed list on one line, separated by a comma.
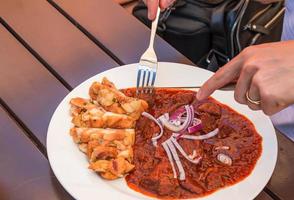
[(64, 185)]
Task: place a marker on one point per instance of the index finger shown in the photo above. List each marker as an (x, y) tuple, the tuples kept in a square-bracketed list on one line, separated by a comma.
[(223, 76)]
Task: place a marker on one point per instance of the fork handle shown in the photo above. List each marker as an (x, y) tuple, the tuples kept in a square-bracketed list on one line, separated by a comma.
[(153, 29)]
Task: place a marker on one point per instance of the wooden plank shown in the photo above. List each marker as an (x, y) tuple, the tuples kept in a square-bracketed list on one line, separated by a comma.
[(66, 49), (27, 87), (263, 196), (282, 181), (120, 32), (25, 172)]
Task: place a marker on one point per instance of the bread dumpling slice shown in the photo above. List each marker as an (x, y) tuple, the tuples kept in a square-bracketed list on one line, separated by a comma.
[(87, 114), (104, 136), (113, 100)]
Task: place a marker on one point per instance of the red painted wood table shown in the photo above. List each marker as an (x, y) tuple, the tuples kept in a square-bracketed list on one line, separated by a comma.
[(46, 49)]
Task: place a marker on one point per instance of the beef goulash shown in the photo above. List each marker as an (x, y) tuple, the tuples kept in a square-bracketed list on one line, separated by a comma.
[(170, 145), (104, 128), (187, 149)]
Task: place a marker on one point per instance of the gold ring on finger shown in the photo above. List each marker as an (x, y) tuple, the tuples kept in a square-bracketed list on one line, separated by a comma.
[(256, 102)]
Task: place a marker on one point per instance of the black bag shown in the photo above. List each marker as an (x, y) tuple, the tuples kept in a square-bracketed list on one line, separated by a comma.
[(212, 32)]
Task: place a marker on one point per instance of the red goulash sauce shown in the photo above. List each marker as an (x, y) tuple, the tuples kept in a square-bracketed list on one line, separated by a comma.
[(153, 175)]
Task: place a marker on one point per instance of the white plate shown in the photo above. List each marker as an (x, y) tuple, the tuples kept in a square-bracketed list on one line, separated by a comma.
[(70, 165)]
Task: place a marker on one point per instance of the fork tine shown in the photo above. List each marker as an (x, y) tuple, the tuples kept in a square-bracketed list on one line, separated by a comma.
[(138, 80), (148, 80), (143, 80), (153, 77)]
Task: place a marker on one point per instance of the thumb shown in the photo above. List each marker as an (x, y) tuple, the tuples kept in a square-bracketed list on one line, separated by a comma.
[(152, 6)]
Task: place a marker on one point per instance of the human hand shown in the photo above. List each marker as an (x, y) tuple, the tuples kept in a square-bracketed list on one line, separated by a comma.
[(266, 71), (152, 6)]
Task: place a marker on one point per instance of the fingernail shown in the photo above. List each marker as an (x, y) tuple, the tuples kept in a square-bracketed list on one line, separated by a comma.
[(149, 15)]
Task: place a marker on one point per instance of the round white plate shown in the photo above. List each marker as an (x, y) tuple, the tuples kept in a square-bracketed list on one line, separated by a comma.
[(70, 165)]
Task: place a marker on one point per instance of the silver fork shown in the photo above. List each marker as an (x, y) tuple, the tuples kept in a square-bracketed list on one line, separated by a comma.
[(148, 63)]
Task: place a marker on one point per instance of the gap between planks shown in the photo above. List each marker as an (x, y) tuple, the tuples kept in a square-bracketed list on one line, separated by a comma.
[(25, 129), (36, 55), (87, 33)]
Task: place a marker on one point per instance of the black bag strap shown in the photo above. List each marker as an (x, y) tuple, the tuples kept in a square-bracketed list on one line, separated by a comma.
[(219, 41), (166, 13), (218, 53), (214, 60), (221, 33)]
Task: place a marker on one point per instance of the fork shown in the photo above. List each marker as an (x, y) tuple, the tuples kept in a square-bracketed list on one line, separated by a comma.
[(148, 63)]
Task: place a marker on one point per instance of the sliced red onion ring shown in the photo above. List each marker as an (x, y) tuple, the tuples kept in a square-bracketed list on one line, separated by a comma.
[(164, 119), (194, 128), (193, 155), (222, 148), (196, 121), (176, 159), (182, 119), (225, 159), (181, 150), (179, 135), (192, 114), (170, 157), (175, 122), (178, 113), (198, 137), (158, 136), (197, 126)]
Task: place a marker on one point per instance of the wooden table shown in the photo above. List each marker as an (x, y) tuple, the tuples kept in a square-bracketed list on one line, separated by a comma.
[(46, 49)]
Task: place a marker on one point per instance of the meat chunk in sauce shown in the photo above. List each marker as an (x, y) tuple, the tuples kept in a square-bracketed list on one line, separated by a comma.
[(210, 108), (209, 113)]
